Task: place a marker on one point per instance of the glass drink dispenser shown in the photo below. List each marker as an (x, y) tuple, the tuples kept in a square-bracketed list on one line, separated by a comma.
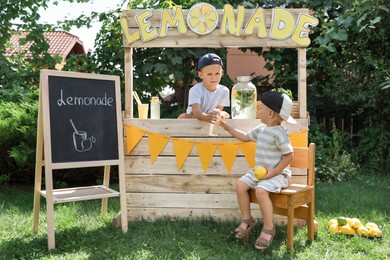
[(244, 98)]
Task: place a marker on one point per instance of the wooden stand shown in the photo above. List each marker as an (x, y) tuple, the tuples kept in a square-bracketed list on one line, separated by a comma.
[(45, 149)]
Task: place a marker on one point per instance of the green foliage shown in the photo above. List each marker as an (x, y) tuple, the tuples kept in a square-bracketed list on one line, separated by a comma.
[(373, 150), (333, 162), (18, 135)]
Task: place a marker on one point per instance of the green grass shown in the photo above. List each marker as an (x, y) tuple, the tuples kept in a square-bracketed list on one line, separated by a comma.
[(82, 234)]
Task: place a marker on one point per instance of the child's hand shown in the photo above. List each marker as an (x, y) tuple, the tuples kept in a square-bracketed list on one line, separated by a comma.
[(223, 124), (270, 173), (213, 117)]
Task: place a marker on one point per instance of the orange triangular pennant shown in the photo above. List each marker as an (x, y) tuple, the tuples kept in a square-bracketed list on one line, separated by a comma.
[(133, 136), (182, 149), (156, 143), (229, 153), (249, 149), (206, 151)]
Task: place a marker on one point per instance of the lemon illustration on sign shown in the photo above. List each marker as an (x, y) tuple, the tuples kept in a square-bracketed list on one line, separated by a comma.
[(202, 18), (260, 172)]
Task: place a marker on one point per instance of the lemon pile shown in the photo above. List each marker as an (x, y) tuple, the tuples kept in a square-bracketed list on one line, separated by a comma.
[(353, 226)]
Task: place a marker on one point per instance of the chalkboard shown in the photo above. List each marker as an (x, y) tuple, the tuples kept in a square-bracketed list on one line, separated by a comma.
[(83, 119)]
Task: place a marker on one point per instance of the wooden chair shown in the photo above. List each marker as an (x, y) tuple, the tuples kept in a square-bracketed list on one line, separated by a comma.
[(297, 200)]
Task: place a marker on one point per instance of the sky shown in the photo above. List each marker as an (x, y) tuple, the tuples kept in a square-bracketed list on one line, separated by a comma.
[(65, 10)]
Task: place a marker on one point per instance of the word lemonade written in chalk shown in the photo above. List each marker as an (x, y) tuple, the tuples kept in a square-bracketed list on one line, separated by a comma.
[(203, 18), (85, 101)]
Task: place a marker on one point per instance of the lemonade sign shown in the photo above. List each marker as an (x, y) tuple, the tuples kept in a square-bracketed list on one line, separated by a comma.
[(205, 20)]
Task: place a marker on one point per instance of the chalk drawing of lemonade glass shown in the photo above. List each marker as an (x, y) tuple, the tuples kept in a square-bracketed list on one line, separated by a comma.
[(80, 140)]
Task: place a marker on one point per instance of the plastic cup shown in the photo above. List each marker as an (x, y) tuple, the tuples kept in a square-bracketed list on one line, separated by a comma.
[(143, 110)]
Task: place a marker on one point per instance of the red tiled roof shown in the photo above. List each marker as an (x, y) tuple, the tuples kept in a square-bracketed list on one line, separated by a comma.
[(61, 43)]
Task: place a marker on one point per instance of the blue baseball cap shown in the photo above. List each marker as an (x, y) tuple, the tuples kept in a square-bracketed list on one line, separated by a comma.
[(206, 60)]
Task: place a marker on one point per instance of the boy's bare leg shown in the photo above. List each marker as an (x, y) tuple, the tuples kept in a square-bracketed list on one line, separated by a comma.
[(243, 201), (266, 208)]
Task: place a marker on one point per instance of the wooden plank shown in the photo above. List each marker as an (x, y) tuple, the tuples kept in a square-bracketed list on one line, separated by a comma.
[(188, 183), (182, 200), (301, 159), (129, 83), (211, 40), (181, 183), (155, 213), (221, 214), (196, 128), (192, 165), (302, 96)]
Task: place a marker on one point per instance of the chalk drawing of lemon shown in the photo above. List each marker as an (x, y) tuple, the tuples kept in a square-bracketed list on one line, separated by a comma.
[(202, 18)]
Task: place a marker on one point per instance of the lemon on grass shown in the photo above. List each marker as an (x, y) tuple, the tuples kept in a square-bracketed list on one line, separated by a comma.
[(334, 228), (202, 18), (371, 225), (346, 229), (342, 221), (362, 231), (355, 223), (332, 221), (374, 232)]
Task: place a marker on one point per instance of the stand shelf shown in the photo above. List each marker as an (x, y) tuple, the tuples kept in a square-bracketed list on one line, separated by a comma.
[(82, 193)]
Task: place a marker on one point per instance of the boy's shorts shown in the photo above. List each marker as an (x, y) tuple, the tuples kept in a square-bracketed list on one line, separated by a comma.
[(275, 184)]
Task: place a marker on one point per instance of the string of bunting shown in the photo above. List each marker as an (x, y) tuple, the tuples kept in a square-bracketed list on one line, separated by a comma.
[(182, 148), (206, 150)]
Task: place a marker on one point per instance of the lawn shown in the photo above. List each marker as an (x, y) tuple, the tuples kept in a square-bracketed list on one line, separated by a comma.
[(82, 234)]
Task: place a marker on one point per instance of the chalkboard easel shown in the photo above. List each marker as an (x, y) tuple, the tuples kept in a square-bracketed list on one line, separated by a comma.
[(79, 125)]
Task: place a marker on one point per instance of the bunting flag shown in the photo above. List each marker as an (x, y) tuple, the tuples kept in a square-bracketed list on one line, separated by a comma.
[(299, 139), (228, 152), (206, 152), (133, 136), (156, 143), (249, 149), (182, 149)]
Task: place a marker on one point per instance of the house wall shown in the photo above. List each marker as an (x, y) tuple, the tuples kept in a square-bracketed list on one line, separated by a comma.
[(247, 63)]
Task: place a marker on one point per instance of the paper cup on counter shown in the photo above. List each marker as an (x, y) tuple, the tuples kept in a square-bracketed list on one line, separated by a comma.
[(143, 110)]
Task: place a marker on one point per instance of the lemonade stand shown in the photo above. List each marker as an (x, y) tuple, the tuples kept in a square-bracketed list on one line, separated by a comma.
[(172, 166)]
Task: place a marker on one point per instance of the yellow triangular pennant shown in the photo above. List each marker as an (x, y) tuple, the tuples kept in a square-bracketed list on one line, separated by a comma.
[(228, 152), (156, 143), (133, 136), (299, 139), (249, 149), (206, 151), (182, 149)]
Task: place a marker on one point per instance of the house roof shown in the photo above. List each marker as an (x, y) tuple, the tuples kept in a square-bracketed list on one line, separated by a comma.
[(60, 42)]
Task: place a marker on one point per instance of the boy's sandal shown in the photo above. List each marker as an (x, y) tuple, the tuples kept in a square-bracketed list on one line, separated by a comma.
[(243, 233), (262, 243)]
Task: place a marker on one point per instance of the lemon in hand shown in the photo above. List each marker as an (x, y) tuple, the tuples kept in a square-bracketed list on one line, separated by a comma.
[(260, 172)]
